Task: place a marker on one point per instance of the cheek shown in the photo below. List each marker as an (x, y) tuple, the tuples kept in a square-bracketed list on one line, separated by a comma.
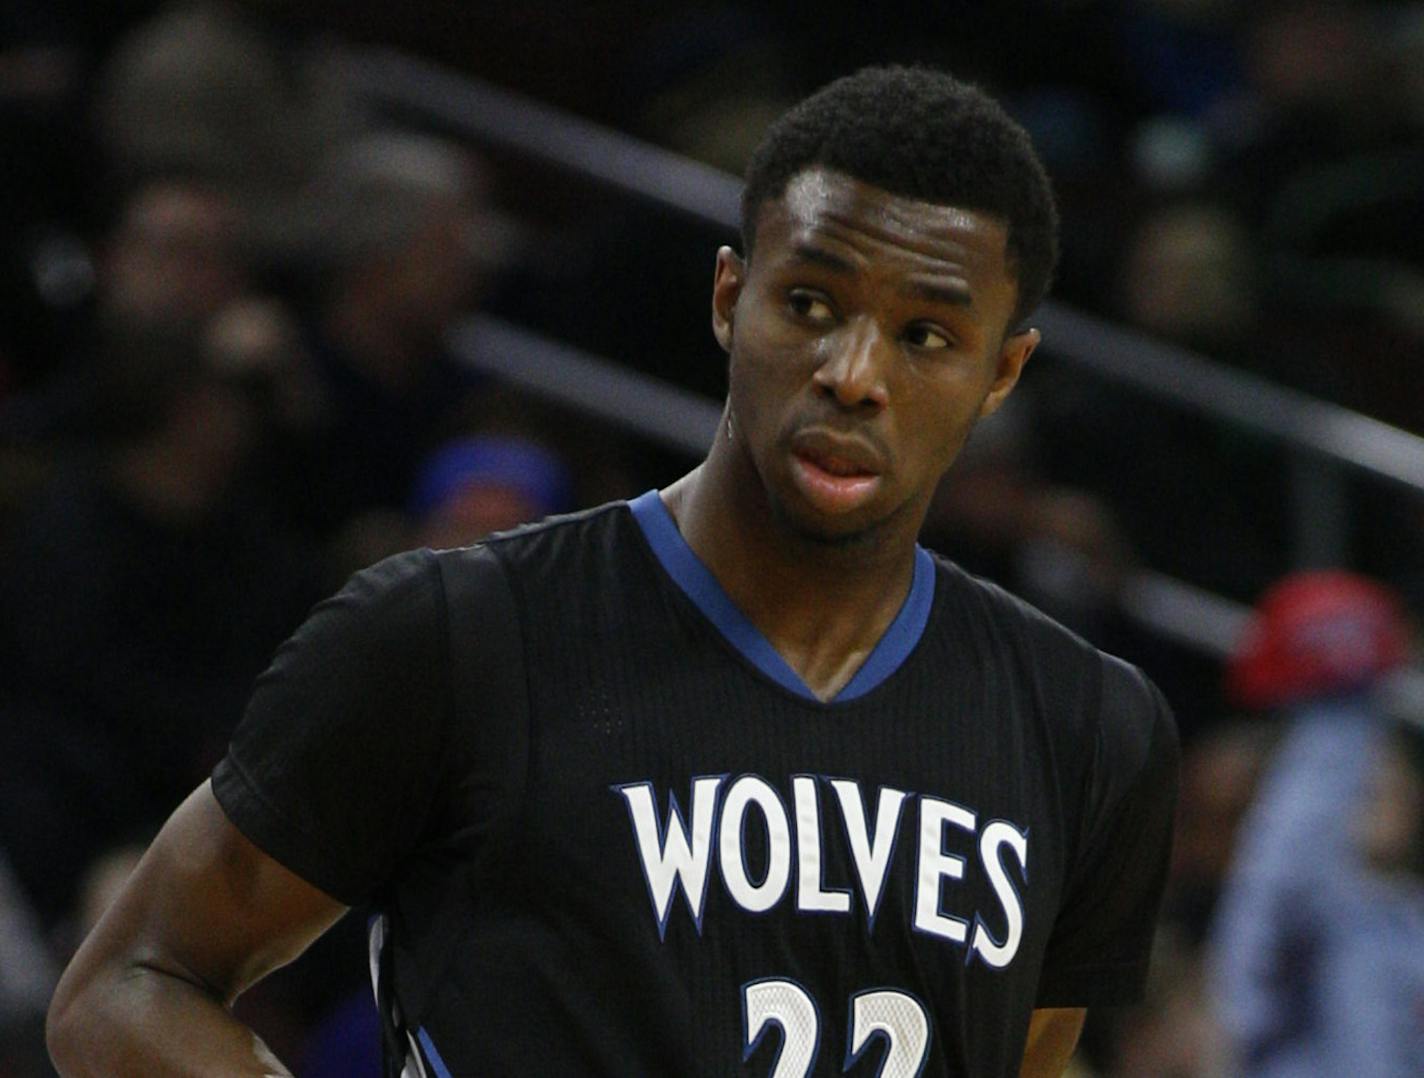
[(766, 368), (750, 390), (940, 422)]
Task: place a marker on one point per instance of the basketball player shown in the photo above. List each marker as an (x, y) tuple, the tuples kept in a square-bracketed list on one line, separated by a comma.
[(730, 779)]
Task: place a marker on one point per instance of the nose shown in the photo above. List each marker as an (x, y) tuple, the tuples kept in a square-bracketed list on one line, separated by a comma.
[(854, 372)]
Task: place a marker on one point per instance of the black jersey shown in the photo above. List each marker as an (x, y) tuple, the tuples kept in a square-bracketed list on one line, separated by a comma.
[(670, 857)]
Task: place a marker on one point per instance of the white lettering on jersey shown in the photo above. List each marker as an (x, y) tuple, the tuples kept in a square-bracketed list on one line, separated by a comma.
[(872, 853), (935, 865), (671, 855), (810, 896), (745, 792), (674, 853), (998, 834)]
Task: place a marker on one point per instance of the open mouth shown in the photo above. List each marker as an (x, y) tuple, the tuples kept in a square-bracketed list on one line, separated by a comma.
[(840, 467), (832, 483)]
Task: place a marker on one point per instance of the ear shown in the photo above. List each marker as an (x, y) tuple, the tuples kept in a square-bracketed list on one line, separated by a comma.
[(1013, 354), (726, 288)]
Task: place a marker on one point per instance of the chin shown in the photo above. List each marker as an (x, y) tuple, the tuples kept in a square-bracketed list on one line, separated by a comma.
[(822, 531)]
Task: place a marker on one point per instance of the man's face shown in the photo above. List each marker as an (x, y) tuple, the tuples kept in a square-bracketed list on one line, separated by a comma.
[(867, 335)]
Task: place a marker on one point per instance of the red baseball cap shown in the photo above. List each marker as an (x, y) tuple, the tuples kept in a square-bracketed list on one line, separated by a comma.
[(1313, 634)]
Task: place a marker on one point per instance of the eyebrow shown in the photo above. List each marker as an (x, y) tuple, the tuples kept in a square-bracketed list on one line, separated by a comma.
[(952, 295), (806, 252)]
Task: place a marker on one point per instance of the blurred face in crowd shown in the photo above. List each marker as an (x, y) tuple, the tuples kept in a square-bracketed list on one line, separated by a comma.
[(432, 278), (174, 256), (1219, 777), (216, 424), (476, 511), (867, 335), (254, 344), (1186, 276)]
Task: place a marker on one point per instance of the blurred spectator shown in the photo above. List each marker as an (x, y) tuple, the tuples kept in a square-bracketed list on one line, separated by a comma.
[(46, 183), (404, 238), (174, 256), (1000, 515), (1057, 546), (1173, 1033), (1188, 274), (142, 590), (1345, 243), (1315, 62), (707, 82), (206, 89), (476, 486), (256, 341), (1221, 770), (1319, 947)]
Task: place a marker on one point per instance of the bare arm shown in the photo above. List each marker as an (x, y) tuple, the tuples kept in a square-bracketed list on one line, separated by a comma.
[(1052, 1035), (205, 915)]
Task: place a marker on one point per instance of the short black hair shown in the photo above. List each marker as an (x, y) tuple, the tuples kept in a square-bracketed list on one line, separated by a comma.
[(922, 134)]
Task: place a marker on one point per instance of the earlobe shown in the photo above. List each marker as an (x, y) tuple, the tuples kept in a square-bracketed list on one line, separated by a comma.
[(726, 289), (722, 330)]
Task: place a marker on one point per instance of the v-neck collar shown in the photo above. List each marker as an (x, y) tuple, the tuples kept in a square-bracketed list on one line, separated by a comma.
[(697, 582)]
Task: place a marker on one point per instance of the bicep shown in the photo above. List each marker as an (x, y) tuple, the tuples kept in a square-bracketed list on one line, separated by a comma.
[(1052, 1036), (207, 906)]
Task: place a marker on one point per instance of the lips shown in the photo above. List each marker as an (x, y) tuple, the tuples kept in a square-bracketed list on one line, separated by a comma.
[(839, 454), (835, 465), (835, 473)]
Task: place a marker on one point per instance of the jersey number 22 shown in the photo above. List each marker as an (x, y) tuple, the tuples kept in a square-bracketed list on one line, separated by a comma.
[(896, 1017)]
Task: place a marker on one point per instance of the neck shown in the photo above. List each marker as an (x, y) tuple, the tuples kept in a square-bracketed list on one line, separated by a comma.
[(823, 605)]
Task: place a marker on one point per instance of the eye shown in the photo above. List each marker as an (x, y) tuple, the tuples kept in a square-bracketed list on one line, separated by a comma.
[(810, 306), (927, 336)]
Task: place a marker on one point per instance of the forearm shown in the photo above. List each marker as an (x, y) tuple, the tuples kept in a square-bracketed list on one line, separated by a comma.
[(145, 1021)]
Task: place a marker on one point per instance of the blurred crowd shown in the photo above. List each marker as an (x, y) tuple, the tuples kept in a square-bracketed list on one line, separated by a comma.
[(226, 382)]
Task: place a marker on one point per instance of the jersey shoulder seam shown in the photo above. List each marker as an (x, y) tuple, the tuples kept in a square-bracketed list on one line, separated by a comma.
[(561, 520)]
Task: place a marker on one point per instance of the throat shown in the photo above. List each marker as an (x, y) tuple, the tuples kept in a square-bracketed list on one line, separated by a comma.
[(822, 611), (824, 670)]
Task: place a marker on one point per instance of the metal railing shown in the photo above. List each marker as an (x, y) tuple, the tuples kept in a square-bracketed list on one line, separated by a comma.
[(1325, 440), (678, 419), (687, 422)]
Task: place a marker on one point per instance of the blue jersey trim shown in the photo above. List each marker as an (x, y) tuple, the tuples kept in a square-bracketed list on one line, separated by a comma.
[(432, 1054), (902, 636), (698, 583)]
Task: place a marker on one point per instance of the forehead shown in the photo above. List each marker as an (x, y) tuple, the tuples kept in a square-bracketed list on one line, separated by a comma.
[(819, 204)]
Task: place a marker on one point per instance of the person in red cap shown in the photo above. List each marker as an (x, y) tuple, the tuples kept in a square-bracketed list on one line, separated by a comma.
[(1318, 948), (1316, 634)]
